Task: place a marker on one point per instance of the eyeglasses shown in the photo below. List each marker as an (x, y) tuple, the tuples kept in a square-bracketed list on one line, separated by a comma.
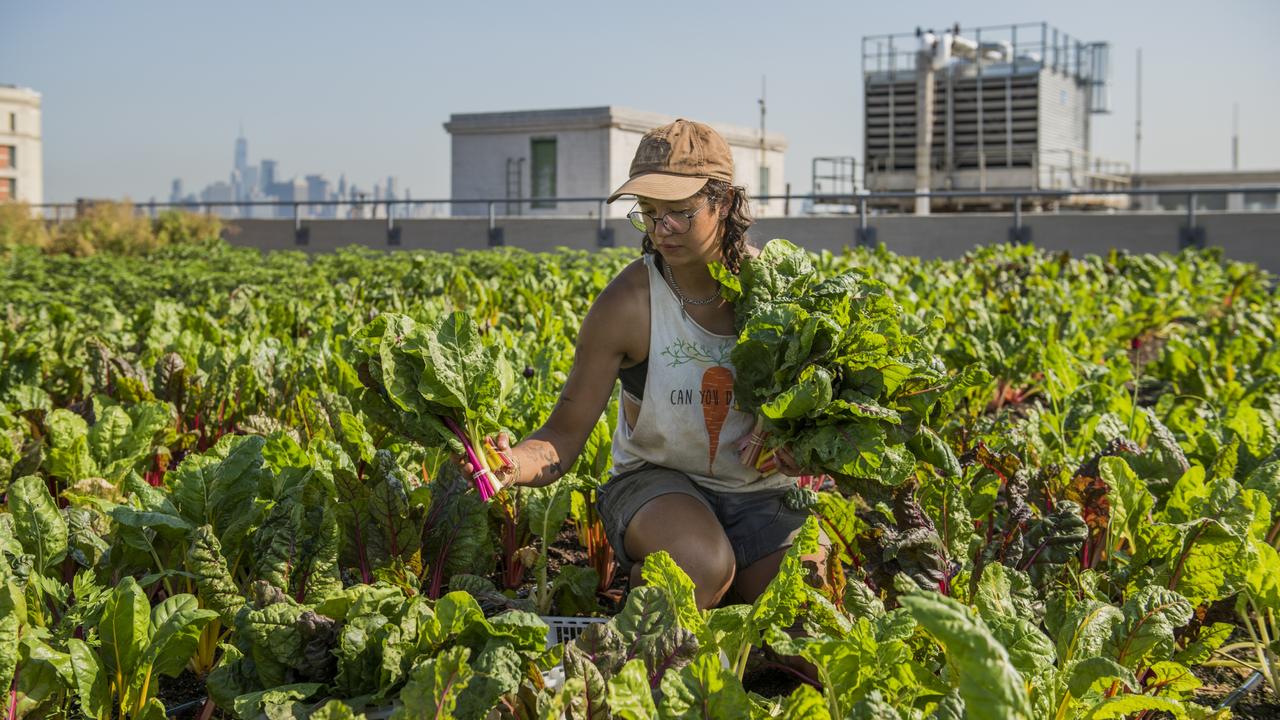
[(677, 221)]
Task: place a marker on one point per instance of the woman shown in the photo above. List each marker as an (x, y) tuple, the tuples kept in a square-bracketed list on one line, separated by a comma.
[(662, 327)]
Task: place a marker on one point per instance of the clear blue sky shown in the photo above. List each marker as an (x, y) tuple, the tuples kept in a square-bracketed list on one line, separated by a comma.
[(137, 92)]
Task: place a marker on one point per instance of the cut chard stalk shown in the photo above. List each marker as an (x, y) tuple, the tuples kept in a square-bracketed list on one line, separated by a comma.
[(766, 462), (483, 477), (750, 454), (497, 458)]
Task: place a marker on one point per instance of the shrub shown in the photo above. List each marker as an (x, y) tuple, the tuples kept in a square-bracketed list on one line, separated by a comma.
[(108, 227), (178, 227), (18, 226)]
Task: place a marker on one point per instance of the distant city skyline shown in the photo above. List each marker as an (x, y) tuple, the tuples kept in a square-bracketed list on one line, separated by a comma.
[(249, 183), (138, 93)]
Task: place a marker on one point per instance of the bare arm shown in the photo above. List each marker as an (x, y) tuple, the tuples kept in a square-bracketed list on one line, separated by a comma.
[(548, 452)]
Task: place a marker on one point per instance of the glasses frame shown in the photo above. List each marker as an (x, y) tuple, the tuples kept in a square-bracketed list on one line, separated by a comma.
[(631, 215)]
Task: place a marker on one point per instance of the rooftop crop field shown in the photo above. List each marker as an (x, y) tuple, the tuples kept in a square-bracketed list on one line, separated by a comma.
[(231, 489)]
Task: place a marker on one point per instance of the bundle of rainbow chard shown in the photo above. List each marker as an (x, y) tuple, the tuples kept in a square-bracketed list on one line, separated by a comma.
[(436, 382), (835, 371)]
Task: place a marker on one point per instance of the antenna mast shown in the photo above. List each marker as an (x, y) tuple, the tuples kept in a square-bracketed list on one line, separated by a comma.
[(1235, 136), (1137, 132), (764, 177)]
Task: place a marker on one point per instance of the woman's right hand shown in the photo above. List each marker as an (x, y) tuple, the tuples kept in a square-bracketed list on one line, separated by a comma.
[(506, 475)]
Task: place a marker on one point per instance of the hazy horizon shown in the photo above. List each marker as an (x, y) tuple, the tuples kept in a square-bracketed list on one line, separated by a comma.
[(137, 94)]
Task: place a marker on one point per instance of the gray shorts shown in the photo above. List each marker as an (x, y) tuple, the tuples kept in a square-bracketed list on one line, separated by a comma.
[(757, 523)]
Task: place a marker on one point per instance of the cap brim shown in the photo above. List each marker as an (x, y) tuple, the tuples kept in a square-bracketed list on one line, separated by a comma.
[(660, 186)]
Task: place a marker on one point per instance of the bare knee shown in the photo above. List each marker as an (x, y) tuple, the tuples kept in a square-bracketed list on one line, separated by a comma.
[(711, 572), (692, 536)]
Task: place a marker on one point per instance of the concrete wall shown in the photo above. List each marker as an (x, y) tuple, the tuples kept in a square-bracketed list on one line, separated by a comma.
[(1250, 237)]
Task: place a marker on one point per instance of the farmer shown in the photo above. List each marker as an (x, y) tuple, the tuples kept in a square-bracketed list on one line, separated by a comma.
[(662, 328)]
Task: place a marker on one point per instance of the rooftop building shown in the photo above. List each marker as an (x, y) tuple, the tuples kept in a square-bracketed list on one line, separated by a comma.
[(523, 157), (989, 108), (21, 146)]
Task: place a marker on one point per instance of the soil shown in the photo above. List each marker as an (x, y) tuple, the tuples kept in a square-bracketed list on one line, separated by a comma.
[(185, 693), (1219, 682), (566, 550), (770, 681)]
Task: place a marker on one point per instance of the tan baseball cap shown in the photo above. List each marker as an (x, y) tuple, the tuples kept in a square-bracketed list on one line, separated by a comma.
[(674, 161)]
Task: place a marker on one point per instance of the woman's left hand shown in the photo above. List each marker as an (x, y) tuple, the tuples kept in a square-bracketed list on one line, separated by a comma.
[(786, 463)]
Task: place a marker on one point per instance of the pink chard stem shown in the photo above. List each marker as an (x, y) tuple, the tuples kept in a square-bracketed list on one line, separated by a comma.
[(482, 473)]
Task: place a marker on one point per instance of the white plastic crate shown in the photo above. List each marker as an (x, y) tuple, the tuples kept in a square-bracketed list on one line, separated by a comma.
[(563, 629)]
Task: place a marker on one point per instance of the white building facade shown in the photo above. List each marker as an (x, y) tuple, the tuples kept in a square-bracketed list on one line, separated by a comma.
[(21, 147), (519, 157)]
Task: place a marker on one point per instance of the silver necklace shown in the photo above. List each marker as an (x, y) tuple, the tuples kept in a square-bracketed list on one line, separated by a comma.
[(684, 300)]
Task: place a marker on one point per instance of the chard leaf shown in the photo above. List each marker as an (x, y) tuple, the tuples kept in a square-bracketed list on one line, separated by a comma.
[(213, 579), (629, 696), (810, 393), (336, 710), (1124, 706), (90, 683), (660, 571), (1086, 629), (37, 523), (591, 701), (873, 707), (1263, 581), (176, 624), (125, 630), (1030, 651), (498, 670), (69, 455), (220, 488), (1207, 640), (574, 590), (1201, 560), (13, 615), (804, 703), (1097, 673), (274, 641), (1188, 497), (435, 685), (1150, 618), (459, 541), (703, 689), (547, 508), (649, 631), (860, 601), (1131, 502), (988, 682), (526, 631), (296, 547), (780, 603), (647, 613), (928, 446), (252, 704)]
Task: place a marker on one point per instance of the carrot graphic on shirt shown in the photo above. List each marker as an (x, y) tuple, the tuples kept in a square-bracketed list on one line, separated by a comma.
[(716, 393)]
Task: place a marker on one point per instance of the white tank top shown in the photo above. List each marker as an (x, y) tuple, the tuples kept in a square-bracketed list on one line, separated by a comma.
[(687, 421)]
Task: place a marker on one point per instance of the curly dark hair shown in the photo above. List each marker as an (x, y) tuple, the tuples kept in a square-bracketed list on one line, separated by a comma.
[(733, 243)]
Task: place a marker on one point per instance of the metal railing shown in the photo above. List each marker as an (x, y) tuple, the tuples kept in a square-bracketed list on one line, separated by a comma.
[(864, 205)]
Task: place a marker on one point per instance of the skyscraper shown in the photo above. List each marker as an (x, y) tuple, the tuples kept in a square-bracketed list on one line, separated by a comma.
[(268, 175), (242, 152)]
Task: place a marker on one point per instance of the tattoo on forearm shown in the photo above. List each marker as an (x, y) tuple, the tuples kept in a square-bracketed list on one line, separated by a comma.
[(551, 464)]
